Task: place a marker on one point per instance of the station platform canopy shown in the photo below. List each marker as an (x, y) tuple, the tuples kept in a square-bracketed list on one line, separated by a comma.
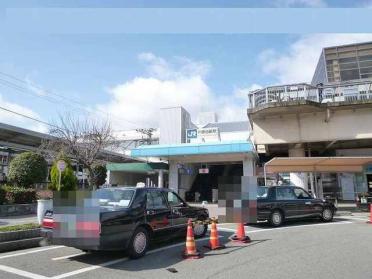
[(317, 164), (189, 149)]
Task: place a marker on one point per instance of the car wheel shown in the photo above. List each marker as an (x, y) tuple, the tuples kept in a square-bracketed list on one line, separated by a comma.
[(200, 230), (139, 243), (276, 218), (327, 214)]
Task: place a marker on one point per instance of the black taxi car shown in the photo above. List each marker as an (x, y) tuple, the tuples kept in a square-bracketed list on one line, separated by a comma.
[(129, 218), (277, 204)]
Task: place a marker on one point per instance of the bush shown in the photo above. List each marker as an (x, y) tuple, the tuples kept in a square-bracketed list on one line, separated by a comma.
[(19, 195), (99, 173), (21, 227), (27, 169), (2, 195), (68, 177), (44, 194)]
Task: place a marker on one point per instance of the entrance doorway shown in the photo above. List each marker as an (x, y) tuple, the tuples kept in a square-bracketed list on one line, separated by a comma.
[(204, 183)]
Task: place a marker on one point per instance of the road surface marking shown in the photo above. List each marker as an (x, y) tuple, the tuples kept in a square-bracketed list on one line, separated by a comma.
[(94, 267), (22, 272), (30, 252), (82, 270), (358, 218), (68, 256), (284, 228)]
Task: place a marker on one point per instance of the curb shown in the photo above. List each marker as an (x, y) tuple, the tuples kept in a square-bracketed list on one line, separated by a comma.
[(20, 244), (15, 240)]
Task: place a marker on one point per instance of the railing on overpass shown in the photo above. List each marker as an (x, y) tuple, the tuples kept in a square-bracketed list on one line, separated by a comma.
[(351, 91)]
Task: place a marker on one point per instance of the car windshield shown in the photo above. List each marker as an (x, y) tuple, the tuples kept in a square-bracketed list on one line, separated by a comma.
[(114, 197), (262, 192)]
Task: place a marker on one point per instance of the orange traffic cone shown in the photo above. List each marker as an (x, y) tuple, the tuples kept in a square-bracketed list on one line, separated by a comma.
[(370, 214), (214, 242), (240, 235), (190, 251)]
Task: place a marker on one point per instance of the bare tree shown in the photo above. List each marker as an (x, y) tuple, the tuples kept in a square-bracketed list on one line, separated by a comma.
[(81, 139), (147, 132)]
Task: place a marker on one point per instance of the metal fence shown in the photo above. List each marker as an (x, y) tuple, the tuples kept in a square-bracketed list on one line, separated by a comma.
[(322, 94)]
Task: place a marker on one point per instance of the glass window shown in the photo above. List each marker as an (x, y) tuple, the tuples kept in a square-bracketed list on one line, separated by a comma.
[(262, 192), (366, 70), (301, 194), (366, 75), (174, 200), (365, 64), (349, 75), (155, 200), (348, 66), (365, 57), (285, 194), (114, 197), (347, 60)]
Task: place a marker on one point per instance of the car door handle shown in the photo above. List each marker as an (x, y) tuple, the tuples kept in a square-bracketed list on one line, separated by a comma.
[(150, 212), (307, 203)]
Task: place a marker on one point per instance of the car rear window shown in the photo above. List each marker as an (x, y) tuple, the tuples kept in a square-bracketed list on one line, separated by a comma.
[(114, 197), (262, 192)]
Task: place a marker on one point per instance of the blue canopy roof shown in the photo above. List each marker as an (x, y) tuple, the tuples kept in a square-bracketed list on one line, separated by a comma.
[(192, 149)]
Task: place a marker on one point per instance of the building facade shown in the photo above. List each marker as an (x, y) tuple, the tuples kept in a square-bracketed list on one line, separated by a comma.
[(328, 118)]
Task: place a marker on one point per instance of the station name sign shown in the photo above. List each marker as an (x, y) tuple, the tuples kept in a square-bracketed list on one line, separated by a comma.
[(203, 134)]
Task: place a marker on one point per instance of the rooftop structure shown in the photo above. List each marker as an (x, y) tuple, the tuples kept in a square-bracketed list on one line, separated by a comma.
[(344, 63)]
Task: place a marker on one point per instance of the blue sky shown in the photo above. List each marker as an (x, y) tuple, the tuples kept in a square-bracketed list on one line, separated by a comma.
[(128, 77), (184, 3)]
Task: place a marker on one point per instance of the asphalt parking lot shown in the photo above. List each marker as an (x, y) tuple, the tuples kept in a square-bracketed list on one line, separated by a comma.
[(341, 249)]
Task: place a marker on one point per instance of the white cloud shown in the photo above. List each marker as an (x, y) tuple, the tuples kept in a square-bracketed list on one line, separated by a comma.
[(300, 3), (177, 68), (17, 120), (298, 63), (179, 81)]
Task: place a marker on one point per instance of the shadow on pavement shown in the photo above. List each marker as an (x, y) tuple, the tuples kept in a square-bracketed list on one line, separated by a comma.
[(295, 223), (167, 258)]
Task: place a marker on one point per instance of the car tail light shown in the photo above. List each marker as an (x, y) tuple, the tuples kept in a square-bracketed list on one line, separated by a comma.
[(89, 228), (48, 223)]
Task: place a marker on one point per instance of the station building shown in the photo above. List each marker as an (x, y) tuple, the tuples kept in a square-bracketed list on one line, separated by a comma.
[(196, 155), (318, 135)]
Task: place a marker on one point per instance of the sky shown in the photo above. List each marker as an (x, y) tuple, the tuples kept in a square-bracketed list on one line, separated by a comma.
[(129, 77)]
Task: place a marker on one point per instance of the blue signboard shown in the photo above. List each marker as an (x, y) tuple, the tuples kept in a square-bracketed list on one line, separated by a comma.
[(191, 133), (368, 168)]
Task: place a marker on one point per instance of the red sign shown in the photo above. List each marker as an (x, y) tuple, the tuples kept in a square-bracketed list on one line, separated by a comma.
[(204, 171)]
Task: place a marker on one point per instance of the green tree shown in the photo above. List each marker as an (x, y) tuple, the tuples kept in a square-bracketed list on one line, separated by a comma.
[(99, 173), (27, 168), (68, 177)]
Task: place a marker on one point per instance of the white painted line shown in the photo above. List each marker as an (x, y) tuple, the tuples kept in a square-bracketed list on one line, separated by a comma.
[(68, 256), (89, 268), (285, 228), (94, 267), (30, 252), (79, 271), (21, 272), (357, 218)]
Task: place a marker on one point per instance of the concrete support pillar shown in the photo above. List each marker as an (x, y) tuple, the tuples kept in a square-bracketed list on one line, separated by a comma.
[(299, 179), (108, 177), (248, 167), (173, 176), (161, 179)]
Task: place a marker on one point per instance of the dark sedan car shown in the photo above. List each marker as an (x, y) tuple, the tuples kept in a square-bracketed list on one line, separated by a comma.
[(279, 203), (128, 219)]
